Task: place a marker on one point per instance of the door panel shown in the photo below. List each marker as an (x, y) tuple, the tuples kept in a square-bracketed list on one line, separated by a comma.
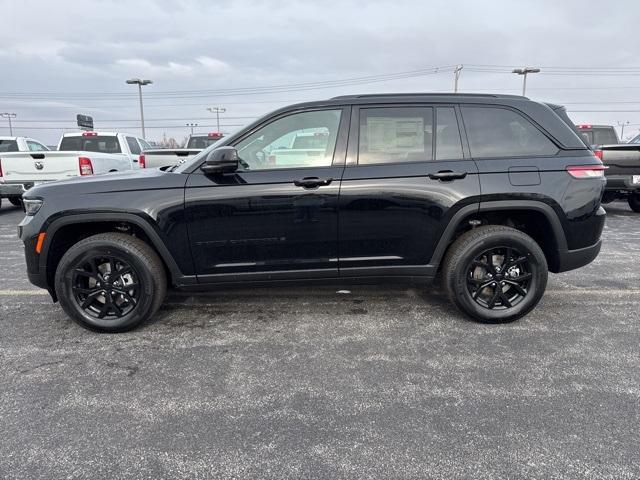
[(268, 220), (251, 222), (392, 213)]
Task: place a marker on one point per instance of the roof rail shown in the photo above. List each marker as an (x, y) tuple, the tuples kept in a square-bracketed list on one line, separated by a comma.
[(420, 94)]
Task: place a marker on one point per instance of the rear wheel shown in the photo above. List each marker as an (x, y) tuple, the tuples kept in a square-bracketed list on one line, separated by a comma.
[(495, 274), (110, 282), (15, 201), (634, 201)]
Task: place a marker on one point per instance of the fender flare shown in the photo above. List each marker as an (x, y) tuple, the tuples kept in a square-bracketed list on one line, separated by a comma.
[(157, 243), (495, 206)]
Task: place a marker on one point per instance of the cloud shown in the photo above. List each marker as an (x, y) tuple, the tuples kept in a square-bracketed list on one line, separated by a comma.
[(92, 48)]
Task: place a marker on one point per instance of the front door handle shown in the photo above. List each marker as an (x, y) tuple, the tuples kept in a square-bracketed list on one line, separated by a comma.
[(447, 175), (312, 182)]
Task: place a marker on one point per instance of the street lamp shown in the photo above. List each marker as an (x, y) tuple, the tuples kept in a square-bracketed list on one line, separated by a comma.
[(192, 125), (217, 111), (9, 116), (524, 71), (140, 83)]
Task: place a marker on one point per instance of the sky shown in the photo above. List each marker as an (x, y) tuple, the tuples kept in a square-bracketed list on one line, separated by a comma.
[(60, 58)]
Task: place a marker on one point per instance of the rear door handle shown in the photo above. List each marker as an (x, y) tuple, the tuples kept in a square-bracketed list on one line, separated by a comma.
[(447, 175), (312, 182)]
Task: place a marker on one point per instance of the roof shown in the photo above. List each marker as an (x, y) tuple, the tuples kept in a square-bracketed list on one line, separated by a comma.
[(93, 132), (425, 95)]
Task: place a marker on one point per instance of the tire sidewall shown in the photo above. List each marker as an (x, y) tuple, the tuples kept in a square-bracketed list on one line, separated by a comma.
[(538, 268), (634, 201), (64, 282)]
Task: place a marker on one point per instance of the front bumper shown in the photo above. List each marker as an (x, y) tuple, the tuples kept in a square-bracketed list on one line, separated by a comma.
[(622, 182)]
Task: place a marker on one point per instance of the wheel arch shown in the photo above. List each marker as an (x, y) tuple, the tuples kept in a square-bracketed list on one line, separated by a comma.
[(535, 218), (66, 231)]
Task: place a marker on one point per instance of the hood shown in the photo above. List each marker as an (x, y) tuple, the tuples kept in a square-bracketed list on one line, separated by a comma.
[(133, 180)]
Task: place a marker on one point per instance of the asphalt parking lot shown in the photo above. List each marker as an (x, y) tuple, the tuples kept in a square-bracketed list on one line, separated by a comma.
[(312, 383)]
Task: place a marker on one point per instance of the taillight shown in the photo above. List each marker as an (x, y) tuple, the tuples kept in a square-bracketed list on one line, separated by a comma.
[(598, 153), (142, 162), (89, 134), (0, 167), (586, 171), (86, 168)]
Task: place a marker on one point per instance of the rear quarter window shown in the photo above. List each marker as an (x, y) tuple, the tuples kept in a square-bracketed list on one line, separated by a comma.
[(495, 132)]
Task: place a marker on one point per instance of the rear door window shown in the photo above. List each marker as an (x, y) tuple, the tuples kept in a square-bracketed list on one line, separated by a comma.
[(495, 132), (91, 143), (395, 135), (134, 148)]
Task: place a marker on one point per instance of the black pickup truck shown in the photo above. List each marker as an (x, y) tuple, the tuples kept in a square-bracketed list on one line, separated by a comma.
[(622, 161), (490, 191)]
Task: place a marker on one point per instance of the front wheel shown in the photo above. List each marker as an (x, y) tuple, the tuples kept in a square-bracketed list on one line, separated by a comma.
[(495, 274), (110, 282), (634, 201)]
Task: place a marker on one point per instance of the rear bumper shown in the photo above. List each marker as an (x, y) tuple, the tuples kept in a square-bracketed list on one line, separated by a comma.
[(621, 182), (12, 190), (572, 259)]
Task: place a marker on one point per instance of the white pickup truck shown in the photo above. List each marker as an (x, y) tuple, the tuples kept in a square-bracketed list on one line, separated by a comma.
[(164, 157), (78, 154)]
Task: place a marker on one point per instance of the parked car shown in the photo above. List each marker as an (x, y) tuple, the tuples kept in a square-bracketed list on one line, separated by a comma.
[(78, 154), (164, 157), (402, 192), (12, 145), (598, 134), (622, 161), (203, 140)]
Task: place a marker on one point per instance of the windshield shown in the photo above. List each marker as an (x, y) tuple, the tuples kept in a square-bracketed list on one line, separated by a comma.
[(8, 146), (91, 143), (635, 139)]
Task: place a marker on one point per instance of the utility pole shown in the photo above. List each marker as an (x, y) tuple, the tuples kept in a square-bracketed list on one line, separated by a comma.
[(140, 83), (192, 125), (456, 76), (9, 116), (622, 125), (217, 111), (524, 72)]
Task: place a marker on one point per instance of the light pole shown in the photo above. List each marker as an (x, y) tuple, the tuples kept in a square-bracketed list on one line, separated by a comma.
[(192, 125), (9, 116), (456, 75), (140, 83), (217, 111), (524, 72)]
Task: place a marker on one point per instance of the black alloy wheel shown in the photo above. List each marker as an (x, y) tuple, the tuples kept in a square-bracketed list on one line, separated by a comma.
[(499, 278), (106, 287)]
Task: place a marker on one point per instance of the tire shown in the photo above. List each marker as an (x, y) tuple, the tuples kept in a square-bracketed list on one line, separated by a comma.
[(476, 263), (15, 201), (634, 201), (113, 303)]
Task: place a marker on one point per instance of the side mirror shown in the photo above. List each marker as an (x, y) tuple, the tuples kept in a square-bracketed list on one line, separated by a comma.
[(221, 160)]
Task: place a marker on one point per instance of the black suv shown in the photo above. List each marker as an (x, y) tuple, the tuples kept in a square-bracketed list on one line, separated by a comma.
[(491, 191)]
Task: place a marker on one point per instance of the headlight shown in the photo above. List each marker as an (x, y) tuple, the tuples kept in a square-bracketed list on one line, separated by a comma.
[(31, 205)]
